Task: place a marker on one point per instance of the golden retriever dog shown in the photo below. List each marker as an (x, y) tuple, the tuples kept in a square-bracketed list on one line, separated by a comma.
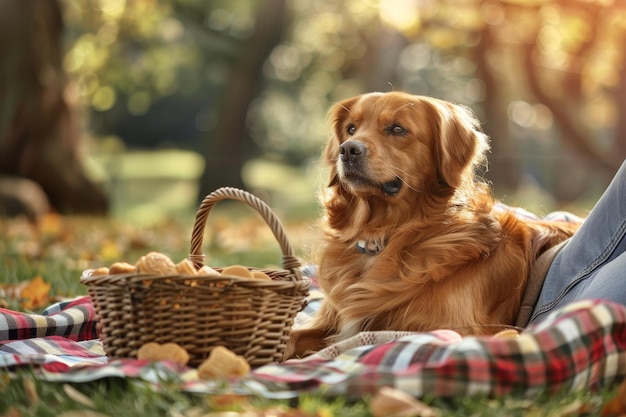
[(414, 240)]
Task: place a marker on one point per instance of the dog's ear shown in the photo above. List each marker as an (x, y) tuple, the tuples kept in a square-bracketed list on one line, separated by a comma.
[(337, 116), (461, 144)]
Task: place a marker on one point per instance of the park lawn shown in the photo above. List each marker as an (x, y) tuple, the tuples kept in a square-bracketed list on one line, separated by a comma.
[(53, 255)]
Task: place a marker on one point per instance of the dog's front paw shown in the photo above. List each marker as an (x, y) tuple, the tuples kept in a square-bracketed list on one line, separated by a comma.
[(291, 348), (304, 342)]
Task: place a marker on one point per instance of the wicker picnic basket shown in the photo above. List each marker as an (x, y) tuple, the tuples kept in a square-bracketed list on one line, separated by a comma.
[(251, 317)]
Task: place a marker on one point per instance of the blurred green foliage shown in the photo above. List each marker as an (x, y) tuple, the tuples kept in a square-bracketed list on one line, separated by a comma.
[(545, 76)]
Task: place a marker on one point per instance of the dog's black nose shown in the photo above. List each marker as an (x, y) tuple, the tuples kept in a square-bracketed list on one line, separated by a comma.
[(352, 150)]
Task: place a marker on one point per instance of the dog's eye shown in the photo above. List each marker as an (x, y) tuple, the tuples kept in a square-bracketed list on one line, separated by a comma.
[(396, 129), (351, 129)]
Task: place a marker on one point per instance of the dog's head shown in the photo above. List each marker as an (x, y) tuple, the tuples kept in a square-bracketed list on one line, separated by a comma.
[(393, 144)]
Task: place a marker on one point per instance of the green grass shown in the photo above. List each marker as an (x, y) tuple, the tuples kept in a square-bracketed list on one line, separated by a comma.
[(23, 394), (158, 215)]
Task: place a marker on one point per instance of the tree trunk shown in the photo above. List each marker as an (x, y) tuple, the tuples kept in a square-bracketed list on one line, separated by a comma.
[(504, 169), (230, 146), (39, 137), (573, 133)]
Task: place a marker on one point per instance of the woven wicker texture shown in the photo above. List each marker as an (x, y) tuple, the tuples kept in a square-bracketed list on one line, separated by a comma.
[(251, 317)]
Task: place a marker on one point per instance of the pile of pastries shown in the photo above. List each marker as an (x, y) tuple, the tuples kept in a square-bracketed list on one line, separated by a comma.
[(222, 363), (160, 264)]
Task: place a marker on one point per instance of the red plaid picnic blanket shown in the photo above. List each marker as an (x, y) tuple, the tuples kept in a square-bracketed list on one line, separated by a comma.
[(74, 320), (582, 346), (61, 336)]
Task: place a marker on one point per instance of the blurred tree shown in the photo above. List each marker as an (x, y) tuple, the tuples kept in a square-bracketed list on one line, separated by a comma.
[(504, 166), (230, 145), (560, 66), (541, 67), (39, 137), (140, 70), (240, 82)]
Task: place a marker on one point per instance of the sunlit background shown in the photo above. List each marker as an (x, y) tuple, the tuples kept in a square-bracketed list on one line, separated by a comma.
[(196, 94)]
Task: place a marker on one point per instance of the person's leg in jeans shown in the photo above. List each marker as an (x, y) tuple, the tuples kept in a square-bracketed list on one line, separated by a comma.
[(593, 263)]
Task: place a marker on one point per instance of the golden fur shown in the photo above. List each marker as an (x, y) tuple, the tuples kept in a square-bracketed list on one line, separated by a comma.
[(402, 178)]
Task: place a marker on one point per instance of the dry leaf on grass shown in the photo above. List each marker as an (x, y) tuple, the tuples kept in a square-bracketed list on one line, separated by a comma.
[(51, 224), (33, 294), (78, 396), (390, 402), (617, 405), (31, 390), (12, 412)]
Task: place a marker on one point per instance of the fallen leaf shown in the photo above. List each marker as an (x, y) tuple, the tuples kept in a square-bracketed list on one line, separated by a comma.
[(12, 412), (78, 396), (110, 250), (573, 409), (35, 294), (617, 406), (31, 390), (51, 224), (394, 402), (222, 401)]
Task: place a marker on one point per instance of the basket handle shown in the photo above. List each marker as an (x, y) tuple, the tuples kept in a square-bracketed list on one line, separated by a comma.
[(289, 261)]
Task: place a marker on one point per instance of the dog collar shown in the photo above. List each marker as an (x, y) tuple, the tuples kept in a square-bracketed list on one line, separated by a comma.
[(369, 247)]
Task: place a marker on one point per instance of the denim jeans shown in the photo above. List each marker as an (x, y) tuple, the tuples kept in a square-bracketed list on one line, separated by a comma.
[(593, 263)]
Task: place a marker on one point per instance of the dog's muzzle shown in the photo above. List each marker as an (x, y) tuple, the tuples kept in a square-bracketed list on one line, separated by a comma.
[(352, 152), (353, 157)]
